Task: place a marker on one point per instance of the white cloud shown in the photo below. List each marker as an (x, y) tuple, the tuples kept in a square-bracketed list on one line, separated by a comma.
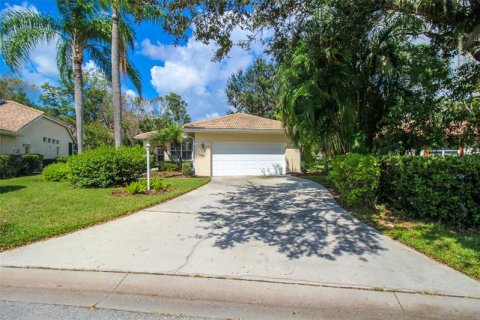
[(130, 94), (189, 71), (23, 6), (90, 66), (43, 58), (34, 77), (211, 115)]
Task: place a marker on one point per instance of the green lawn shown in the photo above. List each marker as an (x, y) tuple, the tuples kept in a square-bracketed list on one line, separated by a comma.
[(459, 249), (32, 208)]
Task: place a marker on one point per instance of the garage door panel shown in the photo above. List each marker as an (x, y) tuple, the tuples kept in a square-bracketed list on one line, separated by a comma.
[(248, 159)]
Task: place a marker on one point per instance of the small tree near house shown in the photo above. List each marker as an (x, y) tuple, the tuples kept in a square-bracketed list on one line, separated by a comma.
[(172, 133)]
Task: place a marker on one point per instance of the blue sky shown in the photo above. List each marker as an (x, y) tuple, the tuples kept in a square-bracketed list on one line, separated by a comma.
[(186, 69)]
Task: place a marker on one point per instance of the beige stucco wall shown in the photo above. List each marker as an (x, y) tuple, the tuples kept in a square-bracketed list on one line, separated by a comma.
[(293, 159), (33, 135), (203, 155)]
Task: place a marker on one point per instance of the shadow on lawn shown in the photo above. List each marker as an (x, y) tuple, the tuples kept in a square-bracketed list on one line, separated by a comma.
[(5, 189), (297, 218)]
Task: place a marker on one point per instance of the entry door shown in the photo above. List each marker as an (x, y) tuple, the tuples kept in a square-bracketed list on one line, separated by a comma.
[(242, 159)]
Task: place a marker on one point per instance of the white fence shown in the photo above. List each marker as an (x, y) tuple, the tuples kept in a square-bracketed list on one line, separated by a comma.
[(443, 153)]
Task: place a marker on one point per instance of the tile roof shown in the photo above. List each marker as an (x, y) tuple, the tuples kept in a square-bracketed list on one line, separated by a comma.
[(237, 121), (146, 135), (14, 116)]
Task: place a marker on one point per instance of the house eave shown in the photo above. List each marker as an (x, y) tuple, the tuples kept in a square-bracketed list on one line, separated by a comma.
[(233, 130), (10, 133)]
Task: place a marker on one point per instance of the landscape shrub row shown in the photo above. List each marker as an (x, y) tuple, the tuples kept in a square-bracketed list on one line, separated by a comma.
[(107, 166), (47, 162), (14, 165), (356, 177), (445, 189), (168, 166), (56, 172)]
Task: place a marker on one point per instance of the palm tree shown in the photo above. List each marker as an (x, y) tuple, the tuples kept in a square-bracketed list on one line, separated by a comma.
[(142, 10), (315, 102), (171, 133), (78, 30)]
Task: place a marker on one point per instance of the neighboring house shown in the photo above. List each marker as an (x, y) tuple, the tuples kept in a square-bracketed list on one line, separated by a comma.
[(235, 145), (28, 130)]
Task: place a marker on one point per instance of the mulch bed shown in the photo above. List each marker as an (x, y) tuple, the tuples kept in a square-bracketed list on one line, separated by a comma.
[(174, 174), (124, 193)]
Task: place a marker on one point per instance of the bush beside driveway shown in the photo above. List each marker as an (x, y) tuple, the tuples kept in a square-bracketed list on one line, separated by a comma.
[(33, 208)]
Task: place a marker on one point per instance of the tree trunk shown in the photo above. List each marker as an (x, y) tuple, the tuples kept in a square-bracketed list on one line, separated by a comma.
[(78, 96), (116, 91)]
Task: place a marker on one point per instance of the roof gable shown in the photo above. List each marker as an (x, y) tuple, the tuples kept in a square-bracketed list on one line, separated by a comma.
[(237, 121), (14, 116)]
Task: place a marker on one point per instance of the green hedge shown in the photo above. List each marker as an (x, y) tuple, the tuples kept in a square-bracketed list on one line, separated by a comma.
[(47, 162), (168, 166), (356, 177), (56, 172), (107, 166), (14, 165), (187, 169), (445, 189)]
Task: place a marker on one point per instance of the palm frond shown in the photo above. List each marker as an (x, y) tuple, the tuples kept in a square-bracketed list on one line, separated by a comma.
[(20, 31), (101, 57), (98, 29), (127, 34), (64, 60), (135, 77), (16, 47)]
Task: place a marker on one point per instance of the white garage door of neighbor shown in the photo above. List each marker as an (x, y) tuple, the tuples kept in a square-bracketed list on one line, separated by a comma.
[(244, 159)]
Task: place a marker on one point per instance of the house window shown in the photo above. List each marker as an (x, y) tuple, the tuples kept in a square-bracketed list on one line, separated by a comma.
[(58, 151), (185, 150), (44, 139), (26, 148), (49, 140), (160, 154)]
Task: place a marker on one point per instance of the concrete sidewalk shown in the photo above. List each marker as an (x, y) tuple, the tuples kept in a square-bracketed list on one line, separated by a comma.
[(216, 297)]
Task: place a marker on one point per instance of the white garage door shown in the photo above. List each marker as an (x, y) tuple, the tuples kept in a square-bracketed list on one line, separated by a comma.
[(244, 159)]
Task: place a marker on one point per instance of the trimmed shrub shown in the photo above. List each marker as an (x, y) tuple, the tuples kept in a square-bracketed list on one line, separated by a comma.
[(445, 189), (168, 166), (47, 162), (356, 176), (137, 187), (14, 165), (56, 172), (187, 169), (107, 166), (31, 163)]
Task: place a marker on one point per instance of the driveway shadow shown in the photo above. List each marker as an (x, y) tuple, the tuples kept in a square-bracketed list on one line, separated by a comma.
[(297, 218)]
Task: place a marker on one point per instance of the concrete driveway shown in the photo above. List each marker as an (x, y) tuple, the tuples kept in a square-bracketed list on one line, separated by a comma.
[(282, 229)]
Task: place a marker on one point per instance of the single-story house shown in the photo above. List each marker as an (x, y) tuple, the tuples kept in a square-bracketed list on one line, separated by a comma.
[(235, 145), (28, 130)]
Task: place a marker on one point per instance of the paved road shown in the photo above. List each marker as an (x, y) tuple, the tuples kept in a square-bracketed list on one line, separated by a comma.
[(37, 311), (276, 229)]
